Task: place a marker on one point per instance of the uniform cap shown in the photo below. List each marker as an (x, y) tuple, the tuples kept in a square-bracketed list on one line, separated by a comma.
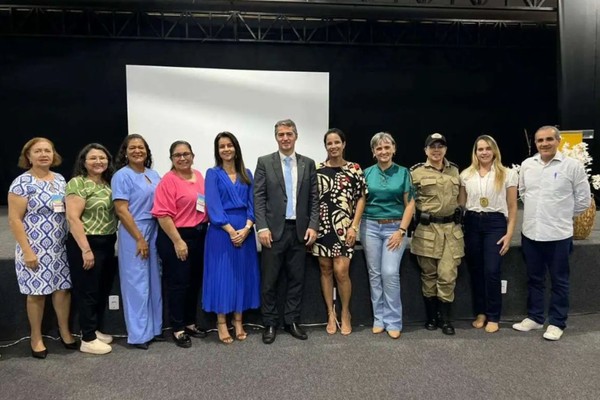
[(435, 137)]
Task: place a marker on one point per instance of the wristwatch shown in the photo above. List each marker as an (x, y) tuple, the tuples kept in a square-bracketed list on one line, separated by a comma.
[(402, 231)]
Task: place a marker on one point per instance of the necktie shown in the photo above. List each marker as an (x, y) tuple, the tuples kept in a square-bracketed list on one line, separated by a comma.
[(287, 174)]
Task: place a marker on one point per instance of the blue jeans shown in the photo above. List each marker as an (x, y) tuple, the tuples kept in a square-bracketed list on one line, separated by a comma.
[(554, 256), (384, 273), (482, 232)]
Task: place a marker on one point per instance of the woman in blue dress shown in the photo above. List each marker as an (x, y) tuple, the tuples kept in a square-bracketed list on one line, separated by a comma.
[(36, 215), (231, 276), (133, 187)]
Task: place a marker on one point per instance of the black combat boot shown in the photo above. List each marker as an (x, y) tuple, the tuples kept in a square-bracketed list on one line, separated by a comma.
[(431, 309), (446, 324)]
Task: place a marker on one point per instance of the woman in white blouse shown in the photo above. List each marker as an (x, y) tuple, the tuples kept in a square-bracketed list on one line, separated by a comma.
[(488, 191)]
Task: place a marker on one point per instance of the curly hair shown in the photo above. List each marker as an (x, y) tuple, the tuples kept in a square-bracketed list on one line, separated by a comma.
[(121, 157)]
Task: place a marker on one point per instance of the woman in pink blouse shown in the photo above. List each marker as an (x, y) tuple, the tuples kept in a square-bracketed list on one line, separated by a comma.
[(181, 211)]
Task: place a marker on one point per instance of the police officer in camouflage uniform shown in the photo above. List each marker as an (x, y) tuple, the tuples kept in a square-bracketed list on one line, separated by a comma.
[(438, 239)]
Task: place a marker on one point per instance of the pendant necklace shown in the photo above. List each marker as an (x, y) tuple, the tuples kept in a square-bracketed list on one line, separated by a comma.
[(483, 200)]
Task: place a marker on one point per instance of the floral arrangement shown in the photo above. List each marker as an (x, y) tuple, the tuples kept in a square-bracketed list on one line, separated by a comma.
[(580, 153)]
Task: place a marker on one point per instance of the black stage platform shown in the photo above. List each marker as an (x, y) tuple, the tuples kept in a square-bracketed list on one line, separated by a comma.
[(585, 280)]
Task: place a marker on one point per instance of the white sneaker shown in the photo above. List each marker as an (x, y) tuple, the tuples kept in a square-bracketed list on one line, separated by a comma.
[(553, 333), (95, 347), (527, 325), (103, 337)]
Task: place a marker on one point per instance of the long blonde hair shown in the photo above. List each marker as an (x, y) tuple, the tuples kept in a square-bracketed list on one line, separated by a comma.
[(496, 162)]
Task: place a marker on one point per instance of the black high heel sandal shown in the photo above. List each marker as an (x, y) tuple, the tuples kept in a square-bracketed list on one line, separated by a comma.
[(70, 346)]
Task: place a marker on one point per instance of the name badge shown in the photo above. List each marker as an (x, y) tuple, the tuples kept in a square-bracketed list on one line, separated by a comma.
[(58, 204), (200, 203)]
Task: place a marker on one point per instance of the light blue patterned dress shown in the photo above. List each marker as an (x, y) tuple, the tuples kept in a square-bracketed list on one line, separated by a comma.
[(46, 231)]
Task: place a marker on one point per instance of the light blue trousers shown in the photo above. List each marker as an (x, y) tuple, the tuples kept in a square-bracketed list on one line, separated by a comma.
[(384, 273), (140, 285)]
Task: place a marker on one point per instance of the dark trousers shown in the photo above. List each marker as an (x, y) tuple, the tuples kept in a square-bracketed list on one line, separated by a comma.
[(482, 232), (554, 256), (183, 278), (91, 287), (289, 254)]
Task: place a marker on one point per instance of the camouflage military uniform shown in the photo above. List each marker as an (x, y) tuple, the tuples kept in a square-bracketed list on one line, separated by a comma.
[(439, 246)]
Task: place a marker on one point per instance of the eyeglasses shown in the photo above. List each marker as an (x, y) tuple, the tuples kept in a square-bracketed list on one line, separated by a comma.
[(95, 159), (179, 155), (436, 146)]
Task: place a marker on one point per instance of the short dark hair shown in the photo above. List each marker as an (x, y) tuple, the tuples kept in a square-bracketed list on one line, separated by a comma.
[(286, 122)]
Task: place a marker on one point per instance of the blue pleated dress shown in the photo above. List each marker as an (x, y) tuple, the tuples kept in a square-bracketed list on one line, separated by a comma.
[(231, 276)]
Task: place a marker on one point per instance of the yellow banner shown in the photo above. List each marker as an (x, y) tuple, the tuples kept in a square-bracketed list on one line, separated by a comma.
[(571, 137)]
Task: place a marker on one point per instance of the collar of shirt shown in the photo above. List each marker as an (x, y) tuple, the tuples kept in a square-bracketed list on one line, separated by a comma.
[(428, 164), (283, 156), (388, 171), (558, 157)]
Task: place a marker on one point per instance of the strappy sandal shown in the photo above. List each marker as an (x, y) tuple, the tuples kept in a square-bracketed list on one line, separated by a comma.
[(331, 330), (346, 329), (239, 335), (224, 339)]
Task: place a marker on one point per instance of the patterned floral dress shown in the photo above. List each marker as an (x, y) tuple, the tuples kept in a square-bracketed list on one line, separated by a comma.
[(340, 188), (46, 231)]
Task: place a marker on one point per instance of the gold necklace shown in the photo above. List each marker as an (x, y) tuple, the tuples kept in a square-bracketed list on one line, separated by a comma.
[(483, 200)]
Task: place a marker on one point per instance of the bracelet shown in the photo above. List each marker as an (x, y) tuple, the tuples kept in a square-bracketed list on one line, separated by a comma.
[(354, 227), (248, 227), (87, 251)]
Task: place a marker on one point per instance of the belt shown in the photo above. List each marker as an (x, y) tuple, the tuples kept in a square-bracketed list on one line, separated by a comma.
[(441, 220), (290, 221), (387, 221), (483, 213)]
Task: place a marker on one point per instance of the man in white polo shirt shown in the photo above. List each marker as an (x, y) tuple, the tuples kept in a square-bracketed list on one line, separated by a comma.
[(554, 188)]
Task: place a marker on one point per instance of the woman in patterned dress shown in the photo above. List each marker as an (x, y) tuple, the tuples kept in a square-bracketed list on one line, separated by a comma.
[(91, 243), (342, 196), (36, 215)]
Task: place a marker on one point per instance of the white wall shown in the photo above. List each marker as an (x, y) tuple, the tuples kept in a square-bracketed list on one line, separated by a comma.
[(165, 104)]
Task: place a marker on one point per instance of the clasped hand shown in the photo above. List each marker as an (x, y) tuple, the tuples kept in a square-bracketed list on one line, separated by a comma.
[(238, 237)]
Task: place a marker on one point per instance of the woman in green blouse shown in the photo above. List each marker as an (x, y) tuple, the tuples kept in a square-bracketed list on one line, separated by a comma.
[(389, 209), (91, 242)]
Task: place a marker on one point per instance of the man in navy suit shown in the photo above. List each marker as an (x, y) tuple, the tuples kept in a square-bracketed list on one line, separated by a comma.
[(287, 219)]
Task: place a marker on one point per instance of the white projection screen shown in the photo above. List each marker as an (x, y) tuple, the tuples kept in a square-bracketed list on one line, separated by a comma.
[(165, 104)]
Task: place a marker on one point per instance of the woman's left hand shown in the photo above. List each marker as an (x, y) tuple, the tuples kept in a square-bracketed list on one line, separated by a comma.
[(142, 248), (395, 240), (505, 243), (350, 236)]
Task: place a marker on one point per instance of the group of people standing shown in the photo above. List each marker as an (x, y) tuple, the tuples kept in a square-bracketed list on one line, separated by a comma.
[(199, 233)]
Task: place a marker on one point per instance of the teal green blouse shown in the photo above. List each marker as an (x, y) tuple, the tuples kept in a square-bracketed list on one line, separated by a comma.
[(385, 198)]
